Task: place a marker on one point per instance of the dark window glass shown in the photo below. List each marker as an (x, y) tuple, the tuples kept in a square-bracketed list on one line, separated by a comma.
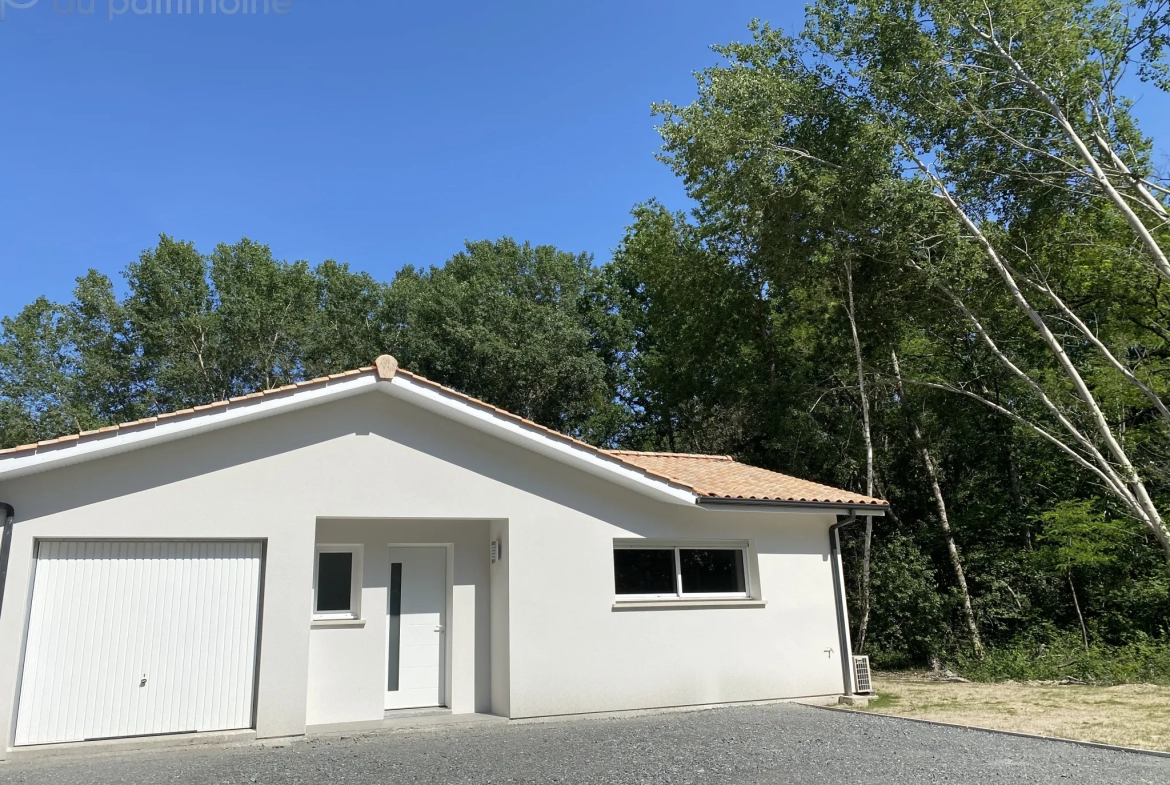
[(395, 623), (709, 571), (638, 571), (334, 576)]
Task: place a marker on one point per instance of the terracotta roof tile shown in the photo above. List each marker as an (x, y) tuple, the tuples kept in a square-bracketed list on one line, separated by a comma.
[(721, 477), (711, 476)]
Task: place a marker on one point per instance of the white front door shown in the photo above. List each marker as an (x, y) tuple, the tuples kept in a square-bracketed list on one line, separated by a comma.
[(139, 638), (415, 626)]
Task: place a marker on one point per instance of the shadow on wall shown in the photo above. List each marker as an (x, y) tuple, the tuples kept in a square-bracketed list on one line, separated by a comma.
[(378, 415)]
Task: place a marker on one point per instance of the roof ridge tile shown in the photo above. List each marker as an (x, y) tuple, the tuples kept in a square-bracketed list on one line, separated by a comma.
[(694, 455)]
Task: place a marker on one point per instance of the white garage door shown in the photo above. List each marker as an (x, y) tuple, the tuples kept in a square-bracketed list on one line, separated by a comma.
[(139, 638)]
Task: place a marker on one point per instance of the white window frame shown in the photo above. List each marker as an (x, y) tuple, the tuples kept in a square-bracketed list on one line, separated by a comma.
[(356, 552), (746, 550)]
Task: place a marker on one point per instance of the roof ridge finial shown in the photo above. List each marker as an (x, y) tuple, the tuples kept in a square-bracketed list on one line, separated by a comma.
[(387, 366)]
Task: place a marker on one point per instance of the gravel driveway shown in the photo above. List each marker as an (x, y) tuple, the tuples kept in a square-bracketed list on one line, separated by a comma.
[(757, 744)]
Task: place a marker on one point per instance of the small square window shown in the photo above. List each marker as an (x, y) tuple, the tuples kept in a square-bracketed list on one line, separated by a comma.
[(337, 582)]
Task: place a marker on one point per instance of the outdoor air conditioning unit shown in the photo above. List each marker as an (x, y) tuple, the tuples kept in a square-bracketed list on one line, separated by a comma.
[(861, 672)]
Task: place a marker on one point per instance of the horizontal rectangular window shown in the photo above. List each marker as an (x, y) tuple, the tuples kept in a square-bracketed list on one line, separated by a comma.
[(679, 571), (337, 582)]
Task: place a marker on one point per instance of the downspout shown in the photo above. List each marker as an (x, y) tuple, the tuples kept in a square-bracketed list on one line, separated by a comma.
[(5, 546), (842, 608)]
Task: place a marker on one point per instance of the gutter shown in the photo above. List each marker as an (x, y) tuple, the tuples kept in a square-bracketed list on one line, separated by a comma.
[(844, 509), (839, 595), (5, 546)]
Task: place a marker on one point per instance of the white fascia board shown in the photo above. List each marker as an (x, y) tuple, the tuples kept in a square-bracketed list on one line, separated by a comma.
[(482, 419), (55, 456)]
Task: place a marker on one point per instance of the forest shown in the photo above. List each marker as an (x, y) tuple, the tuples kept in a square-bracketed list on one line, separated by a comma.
[(928, 259)]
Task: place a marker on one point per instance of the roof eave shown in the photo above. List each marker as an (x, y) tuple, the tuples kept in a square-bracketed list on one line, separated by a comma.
[(139, 435), (785, 505), (419, 392)]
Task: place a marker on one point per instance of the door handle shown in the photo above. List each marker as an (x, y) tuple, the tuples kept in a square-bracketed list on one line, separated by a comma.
[(440, 628)]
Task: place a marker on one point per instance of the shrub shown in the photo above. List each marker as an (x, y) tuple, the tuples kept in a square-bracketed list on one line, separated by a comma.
[(907, 612), (1144, 660)]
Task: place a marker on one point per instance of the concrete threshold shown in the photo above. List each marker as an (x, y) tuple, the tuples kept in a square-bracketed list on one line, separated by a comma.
[(401, 721), (394, 714)]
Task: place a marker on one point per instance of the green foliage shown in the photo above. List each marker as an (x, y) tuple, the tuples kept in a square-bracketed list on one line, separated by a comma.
[(724, 330), (37, 371), (264, 316), (528, 329), (520, 326), (1077, 536), (171, 306), (906, 623), (813, 154), (701, 339), (1062, 656)]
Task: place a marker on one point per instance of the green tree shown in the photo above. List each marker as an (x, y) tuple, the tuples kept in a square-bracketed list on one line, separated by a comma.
[(106, 377), (897, 141), (522, 327), (264, 311), (1078, 541), (171, 308), (37, 368), (702, 354), (997, 108), (346, 328)]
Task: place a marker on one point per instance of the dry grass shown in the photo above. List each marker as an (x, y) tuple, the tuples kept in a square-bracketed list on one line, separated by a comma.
[(1131, 715)]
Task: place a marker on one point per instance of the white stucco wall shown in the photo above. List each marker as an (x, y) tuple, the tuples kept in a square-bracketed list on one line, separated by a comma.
[(500, 677), (553, 643), (573, 652)]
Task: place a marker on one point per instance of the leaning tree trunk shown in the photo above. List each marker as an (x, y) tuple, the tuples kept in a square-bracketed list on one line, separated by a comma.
[(1112, 464), (1096, 174), (1077, 606), (944, 520), (867, 548)]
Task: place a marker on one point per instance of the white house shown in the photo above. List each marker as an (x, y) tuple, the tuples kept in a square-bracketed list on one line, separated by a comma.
[(322, 553)]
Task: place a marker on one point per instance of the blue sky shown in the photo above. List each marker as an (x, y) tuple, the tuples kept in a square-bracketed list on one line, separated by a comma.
[(374, 132)]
